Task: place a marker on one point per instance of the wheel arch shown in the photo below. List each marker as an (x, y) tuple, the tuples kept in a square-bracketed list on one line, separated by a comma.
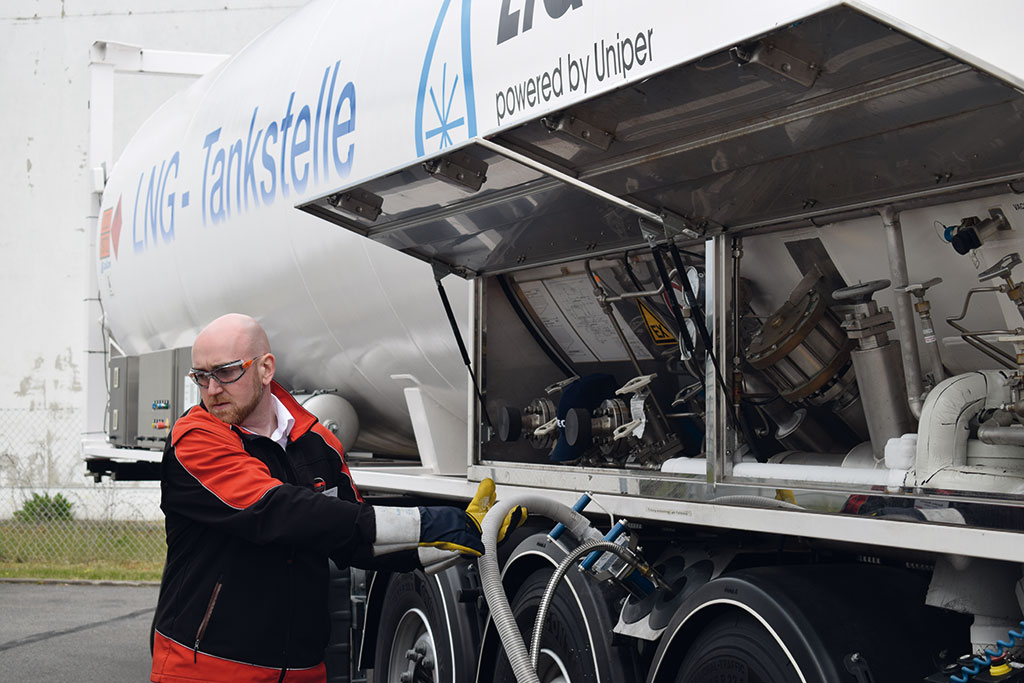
[(819, 615), (375, 591), (451, 586)]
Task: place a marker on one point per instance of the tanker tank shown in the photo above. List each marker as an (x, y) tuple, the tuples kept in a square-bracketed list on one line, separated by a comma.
[(198, 219)]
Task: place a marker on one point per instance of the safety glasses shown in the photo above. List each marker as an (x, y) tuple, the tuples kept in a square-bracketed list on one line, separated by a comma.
[(228, 373)]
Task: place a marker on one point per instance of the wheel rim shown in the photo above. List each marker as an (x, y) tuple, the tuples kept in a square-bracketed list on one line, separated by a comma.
[(550, 668), (413, 656)]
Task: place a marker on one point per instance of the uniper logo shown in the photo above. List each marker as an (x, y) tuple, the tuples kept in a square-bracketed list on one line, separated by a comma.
[(110, 232), (445, 108)]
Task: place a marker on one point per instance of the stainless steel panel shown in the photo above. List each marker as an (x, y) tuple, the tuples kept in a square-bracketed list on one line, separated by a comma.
[(186, 392), (123, 384), (725, 144), (156, 393)]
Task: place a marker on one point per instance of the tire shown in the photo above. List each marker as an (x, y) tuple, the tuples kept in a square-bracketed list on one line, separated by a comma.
[(417, 638), (736, 648), (567, 653)]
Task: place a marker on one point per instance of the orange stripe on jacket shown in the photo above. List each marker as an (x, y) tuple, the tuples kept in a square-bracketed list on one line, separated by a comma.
[(212, 453)]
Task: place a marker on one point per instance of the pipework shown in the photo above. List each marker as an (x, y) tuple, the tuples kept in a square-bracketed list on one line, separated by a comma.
[(903, 310)]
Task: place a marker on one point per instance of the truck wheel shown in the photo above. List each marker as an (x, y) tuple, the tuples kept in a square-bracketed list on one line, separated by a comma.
[(567, 653), (418, 641), (735, 648)]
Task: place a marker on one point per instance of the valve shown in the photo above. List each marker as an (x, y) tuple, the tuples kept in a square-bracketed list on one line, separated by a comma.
[(972, 231), (866, 323), (937, 371), (640, 388), (531, 422), (582, 428), (602, 565), (687, 393), (859, 293), (1004, 269)]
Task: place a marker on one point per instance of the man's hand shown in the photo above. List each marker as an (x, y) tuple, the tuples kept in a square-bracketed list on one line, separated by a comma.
[(450, 528), (439, 527), (484, 500), (440, 534)]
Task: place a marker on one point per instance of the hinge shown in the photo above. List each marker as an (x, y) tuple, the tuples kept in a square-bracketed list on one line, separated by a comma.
[(459, 168), (358, 202), (781, 55), (576, 128)]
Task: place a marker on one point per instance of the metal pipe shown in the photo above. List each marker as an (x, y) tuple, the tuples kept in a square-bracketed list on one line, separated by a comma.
[(660, 427), (737, 342), (931, 348), (974, 339), (624, 554), (986, 348), (999, 435), (602, 297), (903, 310), (639, 294)]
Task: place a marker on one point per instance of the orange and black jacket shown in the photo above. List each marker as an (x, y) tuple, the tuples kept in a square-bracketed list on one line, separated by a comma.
[(250, 526)]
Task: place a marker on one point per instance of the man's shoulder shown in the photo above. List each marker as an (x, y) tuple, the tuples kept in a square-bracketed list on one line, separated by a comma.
[(198, 419)]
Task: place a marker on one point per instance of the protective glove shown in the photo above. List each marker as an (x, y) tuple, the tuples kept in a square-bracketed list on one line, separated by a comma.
[(440, 527), (482, 502)]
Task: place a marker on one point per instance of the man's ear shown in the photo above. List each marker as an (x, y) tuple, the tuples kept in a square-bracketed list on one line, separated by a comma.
[(267, 366)]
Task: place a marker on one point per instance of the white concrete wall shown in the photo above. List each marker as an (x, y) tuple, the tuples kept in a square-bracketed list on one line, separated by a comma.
[(44, 225)]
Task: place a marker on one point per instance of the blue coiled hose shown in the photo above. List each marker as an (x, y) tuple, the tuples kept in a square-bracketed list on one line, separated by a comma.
[(978, 662)]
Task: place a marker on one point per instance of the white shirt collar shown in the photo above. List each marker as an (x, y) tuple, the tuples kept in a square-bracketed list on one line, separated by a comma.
[(285, 422)]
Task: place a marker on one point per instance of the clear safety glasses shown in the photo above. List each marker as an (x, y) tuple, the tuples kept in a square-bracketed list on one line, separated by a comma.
[(227, 373)]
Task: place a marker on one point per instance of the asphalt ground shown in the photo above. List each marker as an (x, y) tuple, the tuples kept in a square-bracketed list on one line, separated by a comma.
[(78, 633)]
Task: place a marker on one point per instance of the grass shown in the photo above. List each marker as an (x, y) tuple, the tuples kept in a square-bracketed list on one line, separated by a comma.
[(92, 550), (95, 571)]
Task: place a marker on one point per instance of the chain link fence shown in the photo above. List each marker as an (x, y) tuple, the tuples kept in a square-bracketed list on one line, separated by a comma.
[(54, 522)]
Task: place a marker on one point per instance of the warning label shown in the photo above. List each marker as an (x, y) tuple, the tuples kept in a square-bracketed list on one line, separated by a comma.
[(660, 334)]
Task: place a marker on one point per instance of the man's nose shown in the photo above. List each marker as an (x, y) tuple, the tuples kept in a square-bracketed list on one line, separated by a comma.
[(214, 387)]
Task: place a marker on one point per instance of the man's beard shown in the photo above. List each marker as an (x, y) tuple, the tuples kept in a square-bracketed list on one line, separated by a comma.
[(236, 415)]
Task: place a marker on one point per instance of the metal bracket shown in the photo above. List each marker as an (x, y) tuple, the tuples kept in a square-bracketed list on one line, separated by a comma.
[(576, 128), (651, 231), (675, 224), (780, 55), (857, 665), (358, 202), (460, 169)]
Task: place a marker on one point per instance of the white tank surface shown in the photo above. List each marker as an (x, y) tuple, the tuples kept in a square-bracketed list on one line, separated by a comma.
[(198, 219), (335, 413)]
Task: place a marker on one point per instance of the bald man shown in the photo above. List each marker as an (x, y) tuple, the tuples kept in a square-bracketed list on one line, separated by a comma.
[(257, 496)]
